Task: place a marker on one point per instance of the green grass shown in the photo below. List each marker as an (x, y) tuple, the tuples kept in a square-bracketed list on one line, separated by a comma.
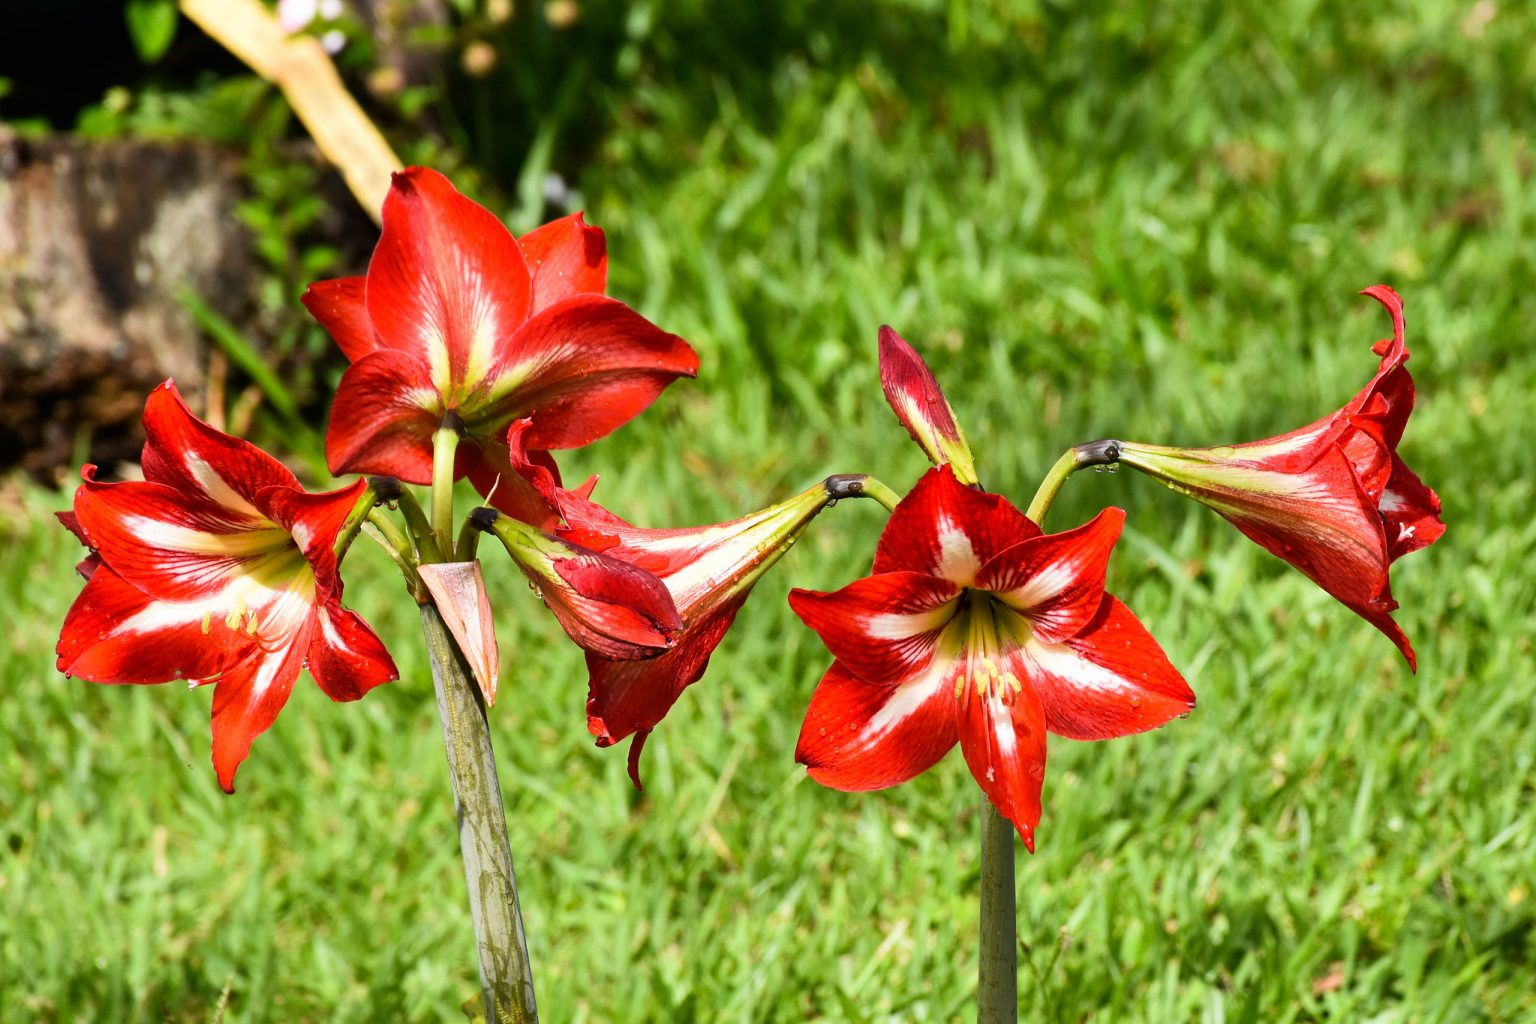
[(1148, 224)]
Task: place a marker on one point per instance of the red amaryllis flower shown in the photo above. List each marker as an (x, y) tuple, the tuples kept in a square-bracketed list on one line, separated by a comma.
[(456, 316), (709, 571), (1333, 498), (216, 568), (975, 627)]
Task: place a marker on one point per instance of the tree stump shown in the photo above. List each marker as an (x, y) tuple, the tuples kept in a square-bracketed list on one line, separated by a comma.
[(97, 240)]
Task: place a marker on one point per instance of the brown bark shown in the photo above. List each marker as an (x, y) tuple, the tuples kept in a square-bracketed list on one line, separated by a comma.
[(97, 239)]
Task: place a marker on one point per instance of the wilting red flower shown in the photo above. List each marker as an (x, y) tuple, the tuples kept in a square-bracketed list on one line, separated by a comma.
[(216, 568), (709, 571), (457, 316), (975, 627), (1333, 498)]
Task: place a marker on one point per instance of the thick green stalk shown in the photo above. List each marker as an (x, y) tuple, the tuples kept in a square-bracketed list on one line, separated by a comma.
[(997, 977), (445, 443), (506, 977)]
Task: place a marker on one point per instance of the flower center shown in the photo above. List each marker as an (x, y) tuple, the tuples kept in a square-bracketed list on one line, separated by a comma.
[(989, 635)]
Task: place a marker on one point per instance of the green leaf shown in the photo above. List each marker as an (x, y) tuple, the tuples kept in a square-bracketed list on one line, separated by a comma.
[(152, 24)]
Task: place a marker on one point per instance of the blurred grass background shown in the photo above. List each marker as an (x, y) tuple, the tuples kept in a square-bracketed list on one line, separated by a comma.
[(1131, 219)]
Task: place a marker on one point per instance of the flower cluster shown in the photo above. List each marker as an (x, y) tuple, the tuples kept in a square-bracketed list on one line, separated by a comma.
[(476, 354)]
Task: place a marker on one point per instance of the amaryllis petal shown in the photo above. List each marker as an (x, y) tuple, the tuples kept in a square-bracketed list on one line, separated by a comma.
[(183, 452), (346, 656), (1112, 679), (520, 483), (342, 309), (1410, 512), (447, 281), (1056, 581), (859, 736), (608, 606), (116, 633), (1002, 735), (1333, 498), (217, 569), (313, 521), (583, 368), (943, 528), (882, 628), (709, 572), (1319, 520), (383, 418), (176, 548), (566, 257), (458, 591), (629, 698), (247, 699), (921, 407)]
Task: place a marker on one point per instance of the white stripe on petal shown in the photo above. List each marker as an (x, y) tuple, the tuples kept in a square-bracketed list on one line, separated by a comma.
[(904, 703), (215, 485), (160, 615), (957, 558), (899, 626), (1073, 669), (1044, 585), (243, 542)]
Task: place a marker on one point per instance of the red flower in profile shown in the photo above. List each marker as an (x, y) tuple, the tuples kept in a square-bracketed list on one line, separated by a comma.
[(709, 572), (216, 568), (456, 316), (1333, 498), (977, 628)]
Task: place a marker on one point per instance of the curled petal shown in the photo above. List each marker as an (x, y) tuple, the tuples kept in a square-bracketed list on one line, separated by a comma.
[(186, 454), (1111, 679), (314, 520), (607, 606), (629, 698), (383, 418), (566, 257), (860, 736), (1002, 735), (517, 490), (1410, 512), (583, 368), (1056, 580), (883, 628), (341, 308), (921, 407), (945, 529), (346, 656)]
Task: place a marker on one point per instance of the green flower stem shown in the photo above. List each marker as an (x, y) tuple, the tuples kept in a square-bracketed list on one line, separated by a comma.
[(861, 485), (469, 540), (997, 977), (355, 519), (506, 978), (1094, 453), (421, 528), (392, 536), (445, 442)]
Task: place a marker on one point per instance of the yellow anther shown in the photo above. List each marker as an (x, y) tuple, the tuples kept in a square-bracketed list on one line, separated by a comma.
[(207, 623), (250, 623)]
